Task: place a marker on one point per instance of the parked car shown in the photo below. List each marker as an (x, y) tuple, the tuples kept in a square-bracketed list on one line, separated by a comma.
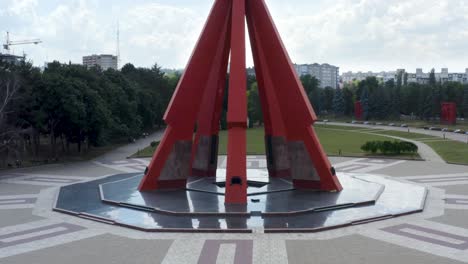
[(404, 125), (379, 124), (459, 131), (391, 124)]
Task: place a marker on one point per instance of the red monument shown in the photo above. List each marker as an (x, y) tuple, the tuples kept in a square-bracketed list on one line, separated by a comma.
[(448, 113), (358, 110), (293, 149)]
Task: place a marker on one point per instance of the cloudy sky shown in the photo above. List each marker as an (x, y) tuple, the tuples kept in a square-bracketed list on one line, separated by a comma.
[(352, 34)]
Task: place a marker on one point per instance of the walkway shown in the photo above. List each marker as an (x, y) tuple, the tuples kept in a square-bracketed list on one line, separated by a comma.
[(126, 151)]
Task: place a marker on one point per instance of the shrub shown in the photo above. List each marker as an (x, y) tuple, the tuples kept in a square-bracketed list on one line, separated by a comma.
[(371, 146), (389, 147), (154, 144)]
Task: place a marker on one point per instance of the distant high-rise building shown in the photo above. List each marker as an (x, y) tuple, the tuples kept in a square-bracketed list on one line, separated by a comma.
[(327, 74), (442, 76), (104, 61), (359, 76)]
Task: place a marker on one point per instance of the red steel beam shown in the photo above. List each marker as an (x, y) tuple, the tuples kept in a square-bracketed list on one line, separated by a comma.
[(236, 178), (184, 107)]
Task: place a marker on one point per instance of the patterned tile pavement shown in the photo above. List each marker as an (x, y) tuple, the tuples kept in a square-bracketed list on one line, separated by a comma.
[(415, 238)]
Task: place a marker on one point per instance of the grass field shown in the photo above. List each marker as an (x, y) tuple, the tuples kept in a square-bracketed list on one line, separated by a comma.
[(146, 152), (333, 138), (349, 140), (451, 151)]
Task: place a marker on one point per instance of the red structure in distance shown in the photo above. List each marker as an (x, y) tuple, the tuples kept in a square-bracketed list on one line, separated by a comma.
[(293, 149), (358, 110), (448, 113)]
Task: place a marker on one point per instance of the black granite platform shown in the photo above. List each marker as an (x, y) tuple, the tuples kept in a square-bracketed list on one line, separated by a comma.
[(204, 196), (273, 206)]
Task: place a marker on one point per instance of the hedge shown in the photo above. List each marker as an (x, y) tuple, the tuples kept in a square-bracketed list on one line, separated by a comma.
[(389, 147)]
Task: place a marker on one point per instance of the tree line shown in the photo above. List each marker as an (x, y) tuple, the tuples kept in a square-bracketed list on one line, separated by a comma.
[(388, 100), (70, 108), (70, 105)]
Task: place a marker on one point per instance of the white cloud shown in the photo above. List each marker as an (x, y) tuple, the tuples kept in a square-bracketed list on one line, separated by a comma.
[(353, 34), (160, 33), (22, 7), (373, 34)]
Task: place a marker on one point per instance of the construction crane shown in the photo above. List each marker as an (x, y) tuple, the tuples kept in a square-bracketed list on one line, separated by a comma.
[(9, 43)]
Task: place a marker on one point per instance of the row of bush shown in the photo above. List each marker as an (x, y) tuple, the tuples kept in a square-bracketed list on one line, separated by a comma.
[(389, 147)]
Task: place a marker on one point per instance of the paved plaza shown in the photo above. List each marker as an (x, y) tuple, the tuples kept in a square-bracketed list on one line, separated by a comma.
[(30, 232)]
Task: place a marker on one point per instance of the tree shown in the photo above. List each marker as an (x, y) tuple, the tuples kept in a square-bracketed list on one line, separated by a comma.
[(370, 83), (432, 78), (427, 106), (9, 87), (379, 103), (365, 103), (338, 103), (348, 98), (328, 95), (311, 87), (254, 106), (436, 100), (399, 83), (465, 102)]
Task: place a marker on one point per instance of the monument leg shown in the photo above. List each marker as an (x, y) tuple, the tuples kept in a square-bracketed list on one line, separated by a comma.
[(275, 134), (171, 164), (205, 147), (236, 178)]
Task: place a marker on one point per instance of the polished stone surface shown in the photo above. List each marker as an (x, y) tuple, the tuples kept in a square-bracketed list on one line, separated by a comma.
[(197, 210), (204, 196)]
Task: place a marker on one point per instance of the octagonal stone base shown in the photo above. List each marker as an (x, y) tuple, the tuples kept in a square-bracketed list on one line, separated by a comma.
[(273, 204)]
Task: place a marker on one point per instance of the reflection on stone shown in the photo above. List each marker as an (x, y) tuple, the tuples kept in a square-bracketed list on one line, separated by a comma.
[(273, 205)]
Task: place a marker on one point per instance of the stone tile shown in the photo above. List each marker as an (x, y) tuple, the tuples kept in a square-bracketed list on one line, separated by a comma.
[(18, 189), (356, 249), (17, 238), (101, 249), (83, 169), (453, 217), (16, 217), (414, 168), (461, 189), (430, 235)]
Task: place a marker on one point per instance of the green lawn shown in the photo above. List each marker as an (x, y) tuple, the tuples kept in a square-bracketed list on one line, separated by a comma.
[(146, 152), (333, 139), (347, 139), (451, 151)]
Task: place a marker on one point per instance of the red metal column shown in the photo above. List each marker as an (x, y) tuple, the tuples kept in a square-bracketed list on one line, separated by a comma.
[(275, 134), (170, 166), (205, 147), (236, 178), (296, 111)]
